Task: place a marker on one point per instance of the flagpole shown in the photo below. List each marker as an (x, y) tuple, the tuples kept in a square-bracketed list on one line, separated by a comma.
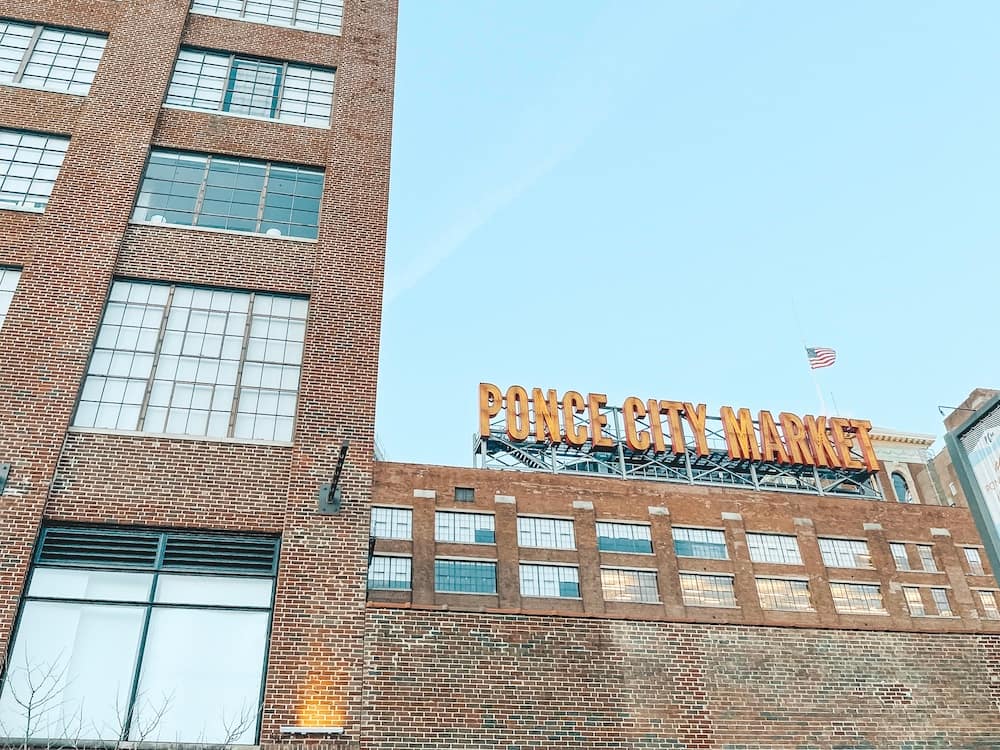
[(805, 346), (819, 391)]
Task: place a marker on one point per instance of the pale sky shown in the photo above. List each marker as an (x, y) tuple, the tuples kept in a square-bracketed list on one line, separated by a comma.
[(664, 199)]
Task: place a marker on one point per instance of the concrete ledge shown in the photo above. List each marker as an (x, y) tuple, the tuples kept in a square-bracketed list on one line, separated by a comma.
[(583, 505), (509, 499), (731, 517), (427, 494), (803, 521), (873, 527), (658, 510), (940, 532)]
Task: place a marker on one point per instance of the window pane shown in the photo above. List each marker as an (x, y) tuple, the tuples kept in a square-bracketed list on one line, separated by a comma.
[(392, 523), (940, 597), (550, 581), (79, 659), (624, 537), (857, 598), (389, 573), (629, 585), (464, 528), (465, 576), (899, 555), (704, 543), (324, 16), (29, 166), (550, 533), (777, 593), (205, 667), (975, 561), (707, 590), (914, 601), (230, 591), (8, 283), (926, 553), (774, 548), (845, 553), (59, 60), (70, 583)]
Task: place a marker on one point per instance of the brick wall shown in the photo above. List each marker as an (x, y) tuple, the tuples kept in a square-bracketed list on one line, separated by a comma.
[(453, 680)]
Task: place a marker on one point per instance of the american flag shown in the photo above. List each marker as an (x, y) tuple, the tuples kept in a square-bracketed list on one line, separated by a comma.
[(820, 357)]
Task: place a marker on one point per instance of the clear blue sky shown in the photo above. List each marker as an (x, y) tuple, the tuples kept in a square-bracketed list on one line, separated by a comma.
[(635, 197)]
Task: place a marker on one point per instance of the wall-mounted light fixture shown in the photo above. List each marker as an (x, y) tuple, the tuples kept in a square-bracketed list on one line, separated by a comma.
[(312, 730)]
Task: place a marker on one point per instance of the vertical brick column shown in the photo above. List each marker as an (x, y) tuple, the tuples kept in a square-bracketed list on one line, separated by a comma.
[(424, 546), (892, 600), (744, 584), (71, 255), (585, 524), (812, 558), (952, 563), (508, 567), (666, 561)]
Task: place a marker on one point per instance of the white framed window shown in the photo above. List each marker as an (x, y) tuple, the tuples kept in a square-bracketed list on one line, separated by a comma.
[(550, 580), (783, 594), (44, 57), (857, 598), (206, 191), (704, 543), (926, 552), (392, 523), (251, 87), (390, 572), (625, 585), (464, 528), (29, 166), (465, 577), (899, 556), (774, 548), (972, 556), (703, 590), (901, 488), (914, 601), (324, 16), (940, 597), (845, 553), (988, 600), (633, 538), (8, 284), (547, 533), (183, 360)]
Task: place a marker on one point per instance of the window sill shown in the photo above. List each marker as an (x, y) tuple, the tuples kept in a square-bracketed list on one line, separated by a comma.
[(253, 118), (471, 544), (171, 436), (780, 609), (633, 601), (542, 596), (268, 23), (935, 617), (194, 228), (22, 209), (467, 593), (713, 606), (623, 552), (379, 588), (558, 549), (863, 612), (692, 557), (42, 88)]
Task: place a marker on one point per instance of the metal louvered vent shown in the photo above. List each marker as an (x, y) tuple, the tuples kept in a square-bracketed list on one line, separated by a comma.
[(233, 554), (90, 547)]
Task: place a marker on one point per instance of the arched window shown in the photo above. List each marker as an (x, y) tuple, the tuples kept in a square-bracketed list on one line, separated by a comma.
[(901, 488)]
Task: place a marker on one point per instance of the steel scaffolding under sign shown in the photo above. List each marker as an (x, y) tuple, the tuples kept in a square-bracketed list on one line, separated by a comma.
[(686, 464)]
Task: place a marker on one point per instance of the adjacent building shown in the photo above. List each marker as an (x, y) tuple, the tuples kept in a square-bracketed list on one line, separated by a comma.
[(198, 546)]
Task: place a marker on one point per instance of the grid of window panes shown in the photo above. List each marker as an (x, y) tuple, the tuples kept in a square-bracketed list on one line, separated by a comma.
[(47, 58), (940, 597), (901, 488), (465, 494), (550, 580), (218, 82), (623, 585), (223, 192), (899, 555), (845, 553), (392, 523), (926, 553), (325, 16), (701, 590), (29, 166), (774, 548), (989, 601), (550, 533), (8, 283), (972, 556), (387, 572), (189, 361), (705, 543), (464, 528), (857, 597), (624, 537), (781, 593), (465, 577), (199, 605), (914, 601)]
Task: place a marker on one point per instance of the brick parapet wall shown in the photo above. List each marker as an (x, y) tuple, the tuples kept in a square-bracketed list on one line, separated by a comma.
[(462, 680)]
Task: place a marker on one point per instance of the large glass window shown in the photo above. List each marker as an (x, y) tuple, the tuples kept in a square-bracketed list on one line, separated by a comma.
[(914, 601), (8, 283), (941, 601), (624, 585), (29, 166), (704, 543), (774, 548), (43, 57), (464, 528), (389, 572), (465, 577), (187, 361), (988, 601), (550, 533), (972, 556), (926, 553), (857, 598), (901, 488), (784, 594), (550, 580), (707, 590), (845, 553), (899, 555), (219, 82), (392, 523), (223, 192), (624, 537), (141, 636), (325, 16)]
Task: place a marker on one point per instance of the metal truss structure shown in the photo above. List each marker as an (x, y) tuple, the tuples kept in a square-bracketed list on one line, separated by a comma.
[(498, 451)]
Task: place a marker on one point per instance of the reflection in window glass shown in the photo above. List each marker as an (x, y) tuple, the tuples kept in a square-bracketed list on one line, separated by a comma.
[(707, 590), (914, 601), (779, 593), (550, 580), (622, 585), (549, 533), (465, 577), (239, 195), (387, 572), (845, 553), (392, 523), (186, 361), (974, 561), (632, 538), (705, 543), (8, 283), (29, 166), (899, 555), (901, 488), (324, 16), (464, 528), (47, 58), (989, 601), (857, 598), (926, 553), (774, 548), (940, 597)]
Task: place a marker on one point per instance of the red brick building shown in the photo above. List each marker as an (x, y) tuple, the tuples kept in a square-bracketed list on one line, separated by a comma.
[(192, 236)]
